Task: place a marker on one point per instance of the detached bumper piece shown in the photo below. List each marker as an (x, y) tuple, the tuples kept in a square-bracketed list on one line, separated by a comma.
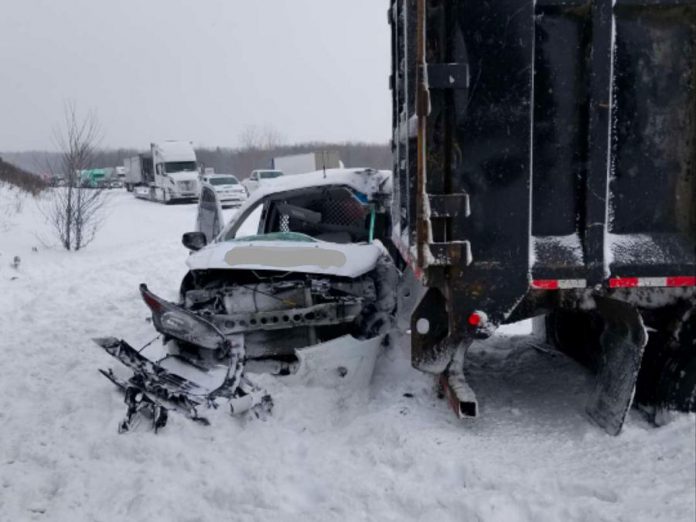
[(152, 391)]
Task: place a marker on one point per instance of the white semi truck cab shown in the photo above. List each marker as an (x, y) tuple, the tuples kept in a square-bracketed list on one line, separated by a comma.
[(168, 172)]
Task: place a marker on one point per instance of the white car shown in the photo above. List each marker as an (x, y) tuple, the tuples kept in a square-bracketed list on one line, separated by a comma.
[(228, 189), (297, 284), (259, 178), (300, 265)]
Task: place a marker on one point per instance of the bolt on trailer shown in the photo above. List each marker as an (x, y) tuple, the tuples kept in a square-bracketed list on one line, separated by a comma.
[(545, 164)]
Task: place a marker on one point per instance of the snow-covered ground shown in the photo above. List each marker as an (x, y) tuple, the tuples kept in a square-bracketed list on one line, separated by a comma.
[(393, 452)]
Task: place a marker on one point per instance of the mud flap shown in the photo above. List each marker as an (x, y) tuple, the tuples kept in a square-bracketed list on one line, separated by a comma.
[(622, 344)]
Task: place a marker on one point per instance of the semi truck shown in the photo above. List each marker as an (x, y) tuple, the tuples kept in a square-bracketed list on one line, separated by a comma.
[(308, 162), (545, 167), (93, 178), (168, 172)]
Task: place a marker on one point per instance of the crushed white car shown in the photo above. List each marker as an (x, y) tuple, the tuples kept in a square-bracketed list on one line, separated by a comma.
[(297, 285)]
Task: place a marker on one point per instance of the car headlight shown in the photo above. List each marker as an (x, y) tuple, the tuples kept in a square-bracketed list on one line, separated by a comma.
[(177, 322)]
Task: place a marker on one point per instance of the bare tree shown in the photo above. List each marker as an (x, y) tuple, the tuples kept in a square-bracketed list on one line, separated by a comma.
[(249, 138), (271, 138), (260, 138), (75, 211), (256, 148)]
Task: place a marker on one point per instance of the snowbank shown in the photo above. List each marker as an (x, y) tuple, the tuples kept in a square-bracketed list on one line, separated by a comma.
[(392, 452)]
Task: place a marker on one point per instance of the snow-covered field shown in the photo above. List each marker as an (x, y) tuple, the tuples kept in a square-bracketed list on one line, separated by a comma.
[(393, 452)]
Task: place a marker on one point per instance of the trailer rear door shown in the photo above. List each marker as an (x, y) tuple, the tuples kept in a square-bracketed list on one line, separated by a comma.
[(557, 141)]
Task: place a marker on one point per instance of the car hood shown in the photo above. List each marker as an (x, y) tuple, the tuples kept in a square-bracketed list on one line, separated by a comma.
[(307, 256)]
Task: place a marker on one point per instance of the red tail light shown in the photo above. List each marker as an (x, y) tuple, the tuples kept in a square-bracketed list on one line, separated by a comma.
[(153, 303), (475, 319)]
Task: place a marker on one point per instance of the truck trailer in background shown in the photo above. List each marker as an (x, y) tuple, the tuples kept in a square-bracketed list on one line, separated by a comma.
[(309, 162), (168, 172)]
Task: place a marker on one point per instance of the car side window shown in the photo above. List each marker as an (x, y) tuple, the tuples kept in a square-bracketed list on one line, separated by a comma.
[(208, 196), (249, 226)]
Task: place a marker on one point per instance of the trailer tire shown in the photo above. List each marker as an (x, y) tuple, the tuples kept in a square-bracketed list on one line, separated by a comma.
[(676, 390), (668, 374), (576, 333)]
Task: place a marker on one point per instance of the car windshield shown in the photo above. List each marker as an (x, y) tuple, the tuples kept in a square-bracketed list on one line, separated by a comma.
[(180, 166), (269, 174), (277, 236), (229, 180), (334, 214)]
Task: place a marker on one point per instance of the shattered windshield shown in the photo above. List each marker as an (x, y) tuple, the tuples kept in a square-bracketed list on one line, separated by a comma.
[(278, 236), (334, 214)]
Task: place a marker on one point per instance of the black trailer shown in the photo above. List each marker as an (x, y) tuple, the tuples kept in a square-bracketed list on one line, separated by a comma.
[(545, 164)]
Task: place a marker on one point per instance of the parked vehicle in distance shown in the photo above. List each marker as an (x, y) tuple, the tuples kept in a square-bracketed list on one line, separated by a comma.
[(308, 162), (259, 178), (92, 178), (230, 192), (57, 181), (167, 173)]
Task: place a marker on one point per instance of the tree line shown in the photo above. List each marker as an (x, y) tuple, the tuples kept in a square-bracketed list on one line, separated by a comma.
[(255, 153)]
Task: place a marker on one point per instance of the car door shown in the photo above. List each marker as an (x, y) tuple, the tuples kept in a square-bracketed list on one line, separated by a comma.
[(209, 220), (252, 182)]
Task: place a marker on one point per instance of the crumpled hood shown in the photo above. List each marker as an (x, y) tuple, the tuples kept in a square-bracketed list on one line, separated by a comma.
[(312, 257)]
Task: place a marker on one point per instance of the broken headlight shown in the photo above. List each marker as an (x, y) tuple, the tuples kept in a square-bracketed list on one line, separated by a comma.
[(178, 323)]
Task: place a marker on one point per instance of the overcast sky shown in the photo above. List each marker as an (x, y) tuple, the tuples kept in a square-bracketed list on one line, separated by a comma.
[(200, 70)]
